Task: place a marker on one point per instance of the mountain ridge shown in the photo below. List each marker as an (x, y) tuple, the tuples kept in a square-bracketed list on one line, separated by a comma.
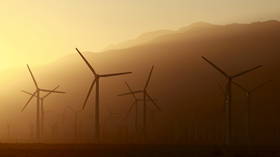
[(185, 86)]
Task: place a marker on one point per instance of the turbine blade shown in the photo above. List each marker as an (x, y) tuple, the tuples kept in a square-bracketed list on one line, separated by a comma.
[(155, 104), (115, 74), (88, 94), (260, 86), (247, 71), (33, 78), (241, 87), (130, 109), (215, 66), (51, 92), (28, 101), (26, 92), (149, 78), (129, 93), (85, 60)]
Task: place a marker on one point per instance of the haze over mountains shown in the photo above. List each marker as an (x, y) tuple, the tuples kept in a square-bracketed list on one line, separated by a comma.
[(142, 39), (148, 37), (185, 86)]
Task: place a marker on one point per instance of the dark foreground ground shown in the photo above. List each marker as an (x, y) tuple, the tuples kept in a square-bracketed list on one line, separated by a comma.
[(59, 150)]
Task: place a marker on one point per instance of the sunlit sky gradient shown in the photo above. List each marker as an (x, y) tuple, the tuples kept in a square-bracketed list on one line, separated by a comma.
[(39, 31)]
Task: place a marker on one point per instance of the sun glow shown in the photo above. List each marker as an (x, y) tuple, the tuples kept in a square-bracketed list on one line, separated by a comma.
[(38, 32)]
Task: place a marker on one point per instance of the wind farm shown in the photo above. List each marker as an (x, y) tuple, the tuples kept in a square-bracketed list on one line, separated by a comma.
[(145, 120), (136, 78)]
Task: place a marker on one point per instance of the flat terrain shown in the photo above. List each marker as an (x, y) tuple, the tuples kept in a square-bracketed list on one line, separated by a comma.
[(71, 150)]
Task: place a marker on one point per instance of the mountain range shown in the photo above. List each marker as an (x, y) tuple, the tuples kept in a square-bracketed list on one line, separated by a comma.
[(186, 87)]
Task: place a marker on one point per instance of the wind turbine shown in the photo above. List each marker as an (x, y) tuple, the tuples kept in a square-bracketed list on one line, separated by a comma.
[(76, 112), (249, 93), (144, 91), (97, 94), (228, 94), (31, 127), (133, 105), (37, 93), (9, 131), (54, 128), (111, 126), (42, 98)]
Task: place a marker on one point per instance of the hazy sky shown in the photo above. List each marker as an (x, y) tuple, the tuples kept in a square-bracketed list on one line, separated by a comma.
[(37, 31)]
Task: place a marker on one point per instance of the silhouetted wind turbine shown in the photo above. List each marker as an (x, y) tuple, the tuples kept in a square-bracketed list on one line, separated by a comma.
[(9, 131), (96, 82), (42, 98), (111, 121), (37, 94), (31, 127), (133, 105), (249, 93), (228, 95), (145, 96), (76, 112), (54, 128)]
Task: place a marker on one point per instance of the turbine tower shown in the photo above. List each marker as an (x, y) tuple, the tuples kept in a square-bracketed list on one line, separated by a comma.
[(97, 94), (228, 94), (249, 93), (145, 94), (37, 93), (42, 98)]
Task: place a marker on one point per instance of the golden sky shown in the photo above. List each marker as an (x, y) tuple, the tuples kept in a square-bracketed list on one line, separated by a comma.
[(39, 31)]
